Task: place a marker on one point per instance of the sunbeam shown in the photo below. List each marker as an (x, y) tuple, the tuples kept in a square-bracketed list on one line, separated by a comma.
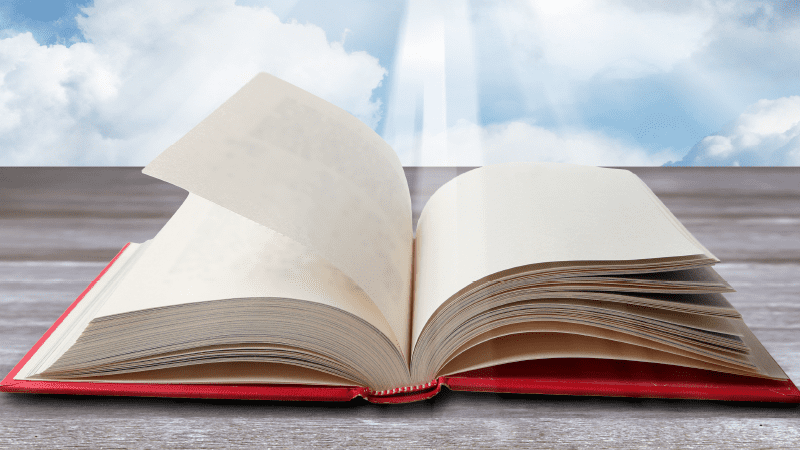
[(434, 83)]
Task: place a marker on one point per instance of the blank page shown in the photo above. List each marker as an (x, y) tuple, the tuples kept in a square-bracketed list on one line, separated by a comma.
[(509, 215)]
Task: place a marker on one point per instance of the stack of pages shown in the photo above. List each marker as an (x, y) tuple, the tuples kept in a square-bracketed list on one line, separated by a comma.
[(292, 271)]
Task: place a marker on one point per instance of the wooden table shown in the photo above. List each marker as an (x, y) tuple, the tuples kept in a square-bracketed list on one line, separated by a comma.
[(59, 226)]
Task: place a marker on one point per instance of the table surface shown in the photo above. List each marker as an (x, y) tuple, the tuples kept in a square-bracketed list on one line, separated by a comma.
[(59, 227)]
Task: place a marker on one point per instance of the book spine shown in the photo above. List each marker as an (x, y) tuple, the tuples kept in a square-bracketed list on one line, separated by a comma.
[(406, 394)]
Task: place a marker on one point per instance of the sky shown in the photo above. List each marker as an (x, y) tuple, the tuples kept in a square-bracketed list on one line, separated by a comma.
[(447, 82)]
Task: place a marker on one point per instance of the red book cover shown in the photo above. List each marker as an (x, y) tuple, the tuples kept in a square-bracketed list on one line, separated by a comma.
[(566, 376)]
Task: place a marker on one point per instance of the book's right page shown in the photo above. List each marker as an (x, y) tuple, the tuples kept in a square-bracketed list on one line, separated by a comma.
[(505, 216)]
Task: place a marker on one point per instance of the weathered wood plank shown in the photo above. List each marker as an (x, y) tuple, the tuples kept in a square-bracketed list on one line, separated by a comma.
[(52, 218)]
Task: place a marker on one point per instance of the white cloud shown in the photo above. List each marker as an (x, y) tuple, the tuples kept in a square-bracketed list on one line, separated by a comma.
[(468, 144), (433, 109), (580, 39), (576, 63), (151, 70), (767, 133)]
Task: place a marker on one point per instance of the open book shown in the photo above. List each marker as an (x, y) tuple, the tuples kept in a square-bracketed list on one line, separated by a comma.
[(292, 271)]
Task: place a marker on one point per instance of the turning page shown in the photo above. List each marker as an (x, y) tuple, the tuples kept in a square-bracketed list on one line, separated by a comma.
[(301, 166)]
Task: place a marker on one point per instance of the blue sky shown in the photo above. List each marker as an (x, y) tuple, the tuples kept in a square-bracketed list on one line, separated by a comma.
[(451, 82)]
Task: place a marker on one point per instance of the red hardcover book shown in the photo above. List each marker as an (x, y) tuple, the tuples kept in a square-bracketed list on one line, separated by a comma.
[(564, 376), (292, 271)]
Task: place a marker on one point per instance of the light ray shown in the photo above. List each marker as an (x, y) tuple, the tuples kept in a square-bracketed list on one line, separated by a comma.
[(434, 85)]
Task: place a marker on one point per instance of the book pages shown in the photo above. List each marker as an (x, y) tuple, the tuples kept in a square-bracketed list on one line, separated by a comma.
[(543, 345), (309, 170), (524, 330), (229, 372), (206, 252), (504, 216)]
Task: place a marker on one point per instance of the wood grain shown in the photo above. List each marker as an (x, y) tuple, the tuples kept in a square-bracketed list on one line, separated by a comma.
[(58, 227)]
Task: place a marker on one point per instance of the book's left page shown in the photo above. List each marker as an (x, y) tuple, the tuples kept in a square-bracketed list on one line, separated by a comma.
[(216, 297), (307, 169), (293, 248)]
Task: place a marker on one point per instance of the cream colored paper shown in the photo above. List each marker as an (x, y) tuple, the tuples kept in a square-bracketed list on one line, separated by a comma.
[(526, 333), (206, 252), (309, 170), (229, 373), (532, 346), (509, 215)]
